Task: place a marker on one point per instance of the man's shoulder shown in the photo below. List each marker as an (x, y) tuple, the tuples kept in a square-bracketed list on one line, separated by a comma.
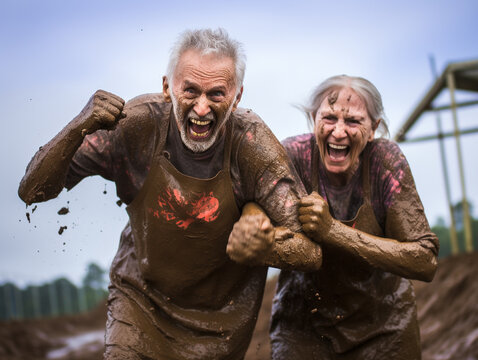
[(146, 102), (244, 118), (143, 111)]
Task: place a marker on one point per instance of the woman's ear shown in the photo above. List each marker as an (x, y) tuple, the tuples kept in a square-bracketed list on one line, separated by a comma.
[(374, 128)]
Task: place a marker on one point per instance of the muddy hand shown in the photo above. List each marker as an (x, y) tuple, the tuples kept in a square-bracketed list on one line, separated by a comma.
[(102, 111), (315, 217), (251, 240)]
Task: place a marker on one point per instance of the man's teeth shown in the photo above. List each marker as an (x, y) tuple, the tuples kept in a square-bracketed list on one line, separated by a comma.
[(199, 122), (204, 134), (338, 147)]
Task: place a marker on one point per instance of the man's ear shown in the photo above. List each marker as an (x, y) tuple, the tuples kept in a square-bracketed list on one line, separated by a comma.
[(237, 99), (166, 89)]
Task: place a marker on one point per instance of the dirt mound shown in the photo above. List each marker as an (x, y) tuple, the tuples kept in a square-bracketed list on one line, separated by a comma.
[(447, 311), (33, 339)]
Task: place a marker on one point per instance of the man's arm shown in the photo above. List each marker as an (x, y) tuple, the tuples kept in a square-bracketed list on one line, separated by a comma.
[(254, 241), (46, 173)]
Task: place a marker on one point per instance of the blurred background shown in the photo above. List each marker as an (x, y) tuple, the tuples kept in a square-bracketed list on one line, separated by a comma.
[(55, 54)]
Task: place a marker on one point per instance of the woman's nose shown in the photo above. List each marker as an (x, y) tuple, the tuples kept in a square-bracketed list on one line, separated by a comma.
[(339, 130)]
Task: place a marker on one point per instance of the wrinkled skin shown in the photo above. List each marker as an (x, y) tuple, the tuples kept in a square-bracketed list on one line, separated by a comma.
[(204, 93), (342, 130)]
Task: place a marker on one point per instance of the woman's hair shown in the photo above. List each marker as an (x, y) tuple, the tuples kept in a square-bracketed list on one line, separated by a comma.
[(362, 87), (208, 41)]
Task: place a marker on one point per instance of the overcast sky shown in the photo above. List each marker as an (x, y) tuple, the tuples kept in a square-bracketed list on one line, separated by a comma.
[(55, 54)]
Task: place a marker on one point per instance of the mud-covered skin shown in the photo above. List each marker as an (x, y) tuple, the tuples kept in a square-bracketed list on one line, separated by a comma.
[(342, 121), (259, 170), (359, 305), (203, 89)]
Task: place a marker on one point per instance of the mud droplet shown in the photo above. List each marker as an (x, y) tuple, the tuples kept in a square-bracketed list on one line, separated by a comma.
[(33, 210), (63, 211), (28, 216), (332, 98), (62, 228), (119, 203)]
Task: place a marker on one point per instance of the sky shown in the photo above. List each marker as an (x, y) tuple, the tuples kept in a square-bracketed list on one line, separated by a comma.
[(55, 54)]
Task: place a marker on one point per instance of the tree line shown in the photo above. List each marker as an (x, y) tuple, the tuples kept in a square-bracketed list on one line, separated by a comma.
[(55, 298)]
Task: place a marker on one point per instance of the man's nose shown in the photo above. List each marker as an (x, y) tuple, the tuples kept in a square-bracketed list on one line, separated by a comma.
[(202, 106)]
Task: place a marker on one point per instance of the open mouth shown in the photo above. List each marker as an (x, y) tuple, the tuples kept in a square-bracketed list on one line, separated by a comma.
[(337, 152), (200, 130)]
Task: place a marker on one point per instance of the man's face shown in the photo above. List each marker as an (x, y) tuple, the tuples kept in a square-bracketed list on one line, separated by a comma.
[(204, 93), (342, 130)]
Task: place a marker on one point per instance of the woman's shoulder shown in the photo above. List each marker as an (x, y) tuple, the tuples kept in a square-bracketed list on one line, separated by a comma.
[(387, 153), (299, 144)]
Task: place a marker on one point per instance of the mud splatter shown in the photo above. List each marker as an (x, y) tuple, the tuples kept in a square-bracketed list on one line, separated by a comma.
[(63, 211), (332, 99), (119, 203), (34, 208), (28, 216), (61, 229)]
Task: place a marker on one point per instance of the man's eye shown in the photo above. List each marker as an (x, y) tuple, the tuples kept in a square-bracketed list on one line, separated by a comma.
[(216, 95), (353, 121), (189, 91)]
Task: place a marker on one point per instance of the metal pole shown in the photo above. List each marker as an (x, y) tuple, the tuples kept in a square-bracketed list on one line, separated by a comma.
[(453, 237), (466, 214)]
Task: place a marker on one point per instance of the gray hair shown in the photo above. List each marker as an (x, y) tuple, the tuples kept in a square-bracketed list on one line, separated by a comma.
[(208, 41), (364, 89)]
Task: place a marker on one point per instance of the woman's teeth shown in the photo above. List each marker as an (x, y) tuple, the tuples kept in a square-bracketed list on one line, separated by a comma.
[(338, 147)]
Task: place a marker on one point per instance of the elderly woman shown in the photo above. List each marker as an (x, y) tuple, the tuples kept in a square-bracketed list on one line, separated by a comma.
[(365, 212)]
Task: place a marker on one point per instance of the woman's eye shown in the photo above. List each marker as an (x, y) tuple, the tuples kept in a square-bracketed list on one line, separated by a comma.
[(353, 121), (329, 118)]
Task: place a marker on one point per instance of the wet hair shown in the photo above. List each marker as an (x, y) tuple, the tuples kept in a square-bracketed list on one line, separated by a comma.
[(208, 41), (362, 87)]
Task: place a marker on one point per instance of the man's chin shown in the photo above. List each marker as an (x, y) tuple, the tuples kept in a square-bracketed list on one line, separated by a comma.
[(198, 145)]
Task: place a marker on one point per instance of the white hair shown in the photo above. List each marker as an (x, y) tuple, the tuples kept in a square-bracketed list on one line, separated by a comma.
[(208, 41), (364, 89)]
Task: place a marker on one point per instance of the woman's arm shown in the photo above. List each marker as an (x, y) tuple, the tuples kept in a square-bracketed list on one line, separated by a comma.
[(407, 258), (46, 173), (254, 241)]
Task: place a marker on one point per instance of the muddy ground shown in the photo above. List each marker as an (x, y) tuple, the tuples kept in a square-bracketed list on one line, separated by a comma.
[(447, 310)]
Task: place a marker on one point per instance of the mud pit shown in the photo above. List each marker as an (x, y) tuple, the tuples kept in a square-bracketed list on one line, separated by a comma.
[(447, 310)]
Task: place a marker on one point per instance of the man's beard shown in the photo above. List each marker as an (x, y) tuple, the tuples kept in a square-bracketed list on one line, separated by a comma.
[(183, 119)]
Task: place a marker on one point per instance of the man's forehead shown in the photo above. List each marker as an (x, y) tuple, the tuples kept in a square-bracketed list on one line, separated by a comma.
[(194, 66)]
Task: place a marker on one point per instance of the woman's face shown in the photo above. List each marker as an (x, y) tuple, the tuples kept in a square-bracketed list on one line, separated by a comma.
[(342, 130)]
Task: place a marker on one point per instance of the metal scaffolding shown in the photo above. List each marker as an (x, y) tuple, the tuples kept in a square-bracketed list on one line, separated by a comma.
[(456, 76)]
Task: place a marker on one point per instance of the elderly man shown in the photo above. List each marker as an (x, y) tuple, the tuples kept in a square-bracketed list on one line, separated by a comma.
[(185, 162)]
